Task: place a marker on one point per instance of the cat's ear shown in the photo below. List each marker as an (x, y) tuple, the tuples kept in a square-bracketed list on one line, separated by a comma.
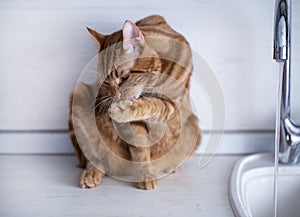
[(97, 36), (133, 39), (133, 44)]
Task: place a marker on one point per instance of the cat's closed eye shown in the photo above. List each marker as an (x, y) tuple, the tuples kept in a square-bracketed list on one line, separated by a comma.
[(106, 83), (124, 78)]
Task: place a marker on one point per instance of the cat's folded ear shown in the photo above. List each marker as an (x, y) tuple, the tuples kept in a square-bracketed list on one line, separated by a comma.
[(133, 39), (97, 36)]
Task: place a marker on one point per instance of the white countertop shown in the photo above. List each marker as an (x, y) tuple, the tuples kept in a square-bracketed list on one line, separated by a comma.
[(47, 185)]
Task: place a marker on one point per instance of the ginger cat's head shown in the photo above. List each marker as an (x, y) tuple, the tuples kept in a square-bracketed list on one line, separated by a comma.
[(124, 54)]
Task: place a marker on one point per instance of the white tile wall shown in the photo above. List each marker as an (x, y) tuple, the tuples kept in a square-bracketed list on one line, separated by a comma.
[(44, 46)]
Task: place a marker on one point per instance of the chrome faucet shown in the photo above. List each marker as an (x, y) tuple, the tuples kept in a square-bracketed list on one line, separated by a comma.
[(289, 148)]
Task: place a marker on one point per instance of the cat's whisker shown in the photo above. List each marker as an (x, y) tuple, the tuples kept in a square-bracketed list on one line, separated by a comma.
[(102, 104), (98, 100)]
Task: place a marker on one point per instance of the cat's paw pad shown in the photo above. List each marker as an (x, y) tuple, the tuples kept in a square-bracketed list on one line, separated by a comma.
[(90, 178), (120, 111), (146, 185)]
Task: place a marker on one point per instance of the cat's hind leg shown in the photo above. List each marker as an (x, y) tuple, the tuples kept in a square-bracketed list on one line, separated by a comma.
[(90, 177), (146, 179)]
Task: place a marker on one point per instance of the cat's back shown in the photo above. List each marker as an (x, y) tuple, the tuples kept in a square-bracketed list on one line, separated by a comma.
[(156, 25)]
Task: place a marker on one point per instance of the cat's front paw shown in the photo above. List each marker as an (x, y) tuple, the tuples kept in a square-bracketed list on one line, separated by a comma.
[(90, 178), (120, 111)]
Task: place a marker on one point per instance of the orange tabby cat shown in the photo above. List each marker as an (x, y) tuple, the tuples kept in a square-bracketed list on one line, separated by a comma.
[(145, 92)]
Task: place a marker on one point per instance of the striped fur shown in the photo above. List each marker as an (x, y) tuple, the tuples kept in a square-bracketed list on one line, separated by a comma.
[(120, 78)]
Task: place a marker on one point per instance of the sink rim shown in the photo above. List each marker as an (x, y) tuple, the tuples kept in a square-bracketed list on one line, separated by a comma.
[(255, 167), (245, 164)]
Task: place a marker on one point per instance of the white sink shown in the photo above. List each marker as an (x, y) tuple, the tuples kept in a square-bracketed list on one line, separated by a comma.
[(251, 188)]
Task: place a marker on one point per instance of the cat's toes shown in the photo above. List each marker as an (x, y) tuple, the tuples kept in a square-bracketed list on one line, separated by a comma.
[(147, 185), (90, 178)]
